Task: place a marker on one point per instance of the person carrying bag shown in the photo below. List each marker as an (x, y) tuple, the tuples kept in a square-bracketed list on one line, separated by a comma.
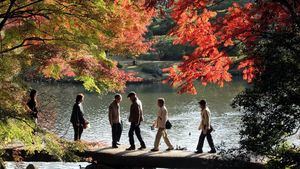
[(206, 128), (162, 125), (77, 119)]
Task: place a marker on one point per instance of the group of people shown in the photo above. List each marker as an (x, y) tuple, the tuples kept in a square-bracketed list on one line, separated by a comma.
[(136, 116)]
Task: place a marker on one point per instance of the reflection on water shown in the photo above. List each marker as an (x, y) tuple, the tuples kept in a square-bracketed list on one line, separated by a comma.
[(183, 112)]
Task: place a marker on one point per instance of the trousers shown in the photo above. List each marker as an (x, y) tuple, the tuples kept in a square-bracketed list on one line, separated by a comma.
[(209, 140), (161, 132), (77, 131), (116, 129), (134, 128)]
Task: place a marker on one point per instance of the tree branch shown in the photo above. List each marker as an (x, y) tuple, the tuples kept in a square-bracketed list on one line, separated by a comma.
[(26, 5), (291, 134), (22, 44), (7, 14)]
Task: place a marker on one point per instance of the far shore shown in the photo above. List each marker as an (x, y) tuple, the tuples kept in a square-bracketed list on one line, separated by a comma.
[(150, 71)]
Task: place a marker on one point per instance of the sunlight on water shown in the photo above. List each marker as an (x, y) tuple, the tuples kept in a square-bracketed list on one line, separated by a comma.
[(183, 113)]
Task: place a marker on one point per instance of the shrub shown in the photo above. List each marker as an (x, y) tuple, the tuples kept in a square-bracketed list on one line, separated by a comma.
[(153, 69)]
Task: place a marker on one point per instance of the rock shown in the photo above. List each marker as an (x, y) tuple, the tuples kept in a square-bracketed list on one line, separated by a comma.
[(92, 166), (31, 166)]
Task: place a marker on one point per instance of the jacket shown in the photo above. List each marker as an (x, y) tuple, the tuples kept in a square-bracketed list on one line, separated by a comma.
[(32, 106), (77, 114), (162, 116), (136, 112), (114, 113), (205, 119)]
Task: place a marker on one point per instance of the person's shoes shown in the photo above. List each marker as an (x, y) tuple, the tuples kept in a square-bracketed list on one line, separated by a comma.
[(142, 148), (198, 151), (212, 151), (169, 149), (115, 146), (130, 148), (118, 143), (154, 150)]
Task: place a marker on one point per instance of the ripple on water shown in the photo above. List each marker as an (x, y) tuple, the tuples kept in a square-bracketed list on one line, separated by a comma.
[(183, 113)]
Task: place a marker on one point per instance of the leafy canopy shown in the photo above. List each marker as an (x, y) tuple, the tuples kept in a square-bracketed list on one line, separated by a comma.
[(214, 29), (71, 38), (61, 39), (271, 109)]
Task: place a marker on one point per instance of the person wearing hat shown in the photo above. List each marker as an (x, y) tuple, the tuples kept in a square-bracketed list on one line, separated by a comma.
[(206, 129), (135, 118), (115, 120)]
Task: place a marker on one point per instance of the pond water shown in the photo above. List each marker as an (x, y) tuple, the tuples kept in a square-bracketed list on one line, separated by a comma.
[(183, 112)]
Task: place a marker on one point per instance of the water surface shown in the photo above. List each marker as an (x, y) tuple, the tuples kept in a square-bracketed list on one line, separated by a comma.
[(184, 112)]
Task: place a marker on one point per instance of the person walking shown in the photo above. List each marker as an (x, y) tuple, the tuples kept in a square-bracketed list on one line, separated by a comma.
[(206, 129), (77, 118), (135, 118), (160, 123), (32, 104), (115, 120)]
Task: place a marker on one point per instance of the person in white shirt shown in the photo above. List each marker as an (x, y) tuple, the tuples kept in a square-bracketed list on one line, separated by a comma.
[(160, 123), (206, 129)]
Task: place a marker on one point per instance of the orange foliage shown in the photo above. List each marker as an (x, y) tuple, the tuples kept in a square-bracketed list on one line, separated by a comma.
[(128, 24), (71, 38), (200, 25)]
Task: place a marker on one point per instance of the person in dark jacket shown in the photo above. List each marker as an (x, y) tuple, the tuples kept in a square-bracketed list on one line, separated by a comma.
[(32, 104), (77, 118), (135, 118)]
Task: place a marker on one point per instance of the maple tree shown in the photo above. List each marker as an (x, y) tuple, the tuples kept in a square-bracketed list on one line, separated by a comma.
[(267, 35), (59, 39), (213, 32), (71, 38)]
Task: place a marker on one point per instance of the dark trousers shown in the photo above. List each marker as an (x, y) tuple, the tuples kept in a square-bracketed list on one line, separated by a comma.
[(135, 128), (77, 131), (209, 140), (116, 129)]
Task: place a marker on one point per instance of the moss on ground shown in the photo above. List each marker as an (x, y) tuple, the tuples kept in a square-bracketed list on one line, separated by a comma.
[(23, 135)]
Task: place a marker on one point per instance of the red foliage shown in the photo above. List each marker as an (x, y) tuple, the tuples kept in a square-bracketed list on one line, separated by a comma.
[(212, 33), (250, 70)]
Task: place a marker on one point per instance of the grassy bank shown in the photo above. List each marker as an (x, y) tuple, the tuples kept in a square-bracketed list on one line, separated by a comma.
[(152, 71), (21, 141)]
